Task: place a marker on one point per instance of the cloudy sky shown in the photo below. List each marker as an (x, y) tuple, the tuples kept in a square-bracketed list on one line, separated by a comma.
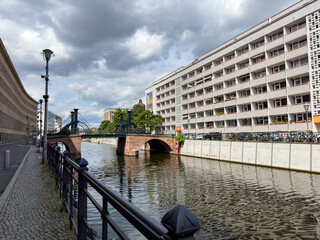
[(107, 52)]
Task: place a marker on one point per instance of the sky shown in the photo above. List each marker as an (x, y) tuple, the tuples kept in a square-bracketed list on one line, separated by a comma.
[(108, 52)]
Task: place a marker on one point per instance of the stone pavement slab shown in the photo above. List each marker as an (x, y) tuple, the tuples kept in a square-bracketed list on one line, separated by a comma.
[(31, 210), (17, 153)]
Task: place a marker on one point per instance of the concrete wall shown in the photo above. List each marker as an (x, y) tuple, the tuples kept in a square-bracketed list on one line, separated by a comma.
[(295, 156), (110, 141)]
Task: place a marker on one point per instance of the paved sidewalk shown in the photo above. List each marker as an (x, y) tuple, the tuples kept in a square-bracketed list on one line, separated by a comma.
[(31, 210), (17, 153)]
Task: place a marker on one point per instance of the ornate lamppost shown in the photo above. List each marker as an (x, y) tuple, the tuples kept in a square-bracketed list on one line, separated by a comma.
[(46, 56), (40, 113)]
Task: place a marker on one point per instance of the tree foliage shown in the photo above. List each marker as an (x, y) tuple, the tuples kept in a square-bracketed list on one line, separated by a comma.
[(148, 120)]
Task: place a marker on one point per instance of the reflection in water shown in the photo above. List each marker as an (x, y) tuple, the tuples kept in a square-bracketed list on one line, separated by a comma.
[(231, 201)]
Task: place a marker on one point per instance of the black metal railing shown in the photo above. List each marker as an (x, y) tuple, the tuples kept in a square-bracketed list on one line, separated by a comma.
[(73, 179)]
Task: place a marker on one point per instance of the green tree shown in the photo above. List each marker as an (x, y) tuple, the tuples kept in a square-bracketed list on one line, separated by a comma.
[(104, 124), (137, 109), (147, 119)]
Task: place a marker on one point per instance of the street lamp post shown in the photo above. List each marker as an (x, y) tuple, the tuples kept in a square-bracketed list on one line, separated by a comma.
[(306, 108), (46, 56), (40, 123)]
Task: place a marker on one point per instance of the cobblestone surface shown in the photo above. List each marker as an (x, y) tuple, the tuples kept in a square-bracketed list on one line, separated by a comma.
[(32, 208)]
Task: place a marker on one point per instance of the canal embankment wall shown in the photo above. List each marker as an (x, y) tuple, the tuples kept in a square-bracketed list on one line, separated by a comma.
[(110, 141), (294, 156)]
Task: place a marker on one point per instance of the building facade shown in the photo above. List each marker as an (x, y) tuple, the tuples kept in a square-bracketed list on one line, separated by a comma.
[(108, 114), (265, 79), (54, 122), (18, 111)]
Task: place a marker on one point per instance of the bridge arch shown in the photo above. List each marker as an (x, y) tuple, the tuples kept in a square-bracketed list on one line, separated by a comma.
[(72, 143), (131, 144)]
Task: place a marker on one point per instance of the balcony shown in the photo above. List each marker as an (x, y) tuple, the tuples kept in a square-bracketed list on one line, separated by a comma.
[(243, 100), (244, 128), (296, 34), (275, 60), (257, 50), (242, 57), (299, 89), (258, 81), (218, 105), (260, 128), (259, 97), (275, 43), (246, 114), (296, 71), (217, 68), (278, 110), (258, 66), (297, 108), (230, 76), (278, 127), (260, 113), (297, 53), (231, 102), (302, 126), (242, 71), (276, 76), (230, 89), (277, 93), (230, 116), (228, 63), (244, 85)]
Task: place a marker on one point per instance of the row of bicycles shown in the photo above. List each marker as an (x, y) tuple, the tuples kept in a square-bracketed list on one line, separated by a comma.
[(305, 137)]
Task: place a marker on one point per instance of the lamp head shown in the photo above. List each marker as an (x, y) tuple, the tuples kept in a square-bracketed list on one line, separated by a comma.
[(47, 54), (40, 101), (306, 106)]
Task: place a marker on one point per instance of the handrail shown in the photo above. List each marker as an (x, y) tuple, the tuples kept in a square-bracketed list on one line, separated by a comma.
[(73, 190)]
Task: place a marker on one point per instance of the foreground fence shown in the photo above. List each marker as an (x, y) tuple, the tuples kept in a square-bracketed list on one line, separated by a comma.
[(73, 179)]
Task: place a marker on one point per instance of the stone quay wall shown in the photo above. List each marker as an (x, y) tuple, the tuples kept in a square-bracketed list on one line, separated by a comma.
[(294, 156)]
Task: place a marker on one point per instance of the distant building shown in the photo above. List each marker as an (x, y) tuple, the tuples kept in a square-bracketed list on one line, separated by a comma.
[(108, 114), (54, 122), (18, 111)]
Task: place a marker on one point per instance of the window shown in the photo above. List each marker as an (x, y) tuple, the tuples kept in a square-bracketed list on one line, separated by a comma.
[(209, 124), (245, 93), (262, 120), (277, 69), (276, 36), (231, 110), (258, 44), (259, 58), (220, 123), (218, 62), (229, 57), (262, 105), (230, 83), (279, 85), (277, 52), (261, 89), (220, 86), (242, 51), (260, 74), (246, 108), (209, 113), (300, 80), (243, 79), (230, 70), (243, 65), (280, 102), (298, 44), (246, 122), (300, 117), (297, 26), (297, 99), (300, 62), (219, 74)]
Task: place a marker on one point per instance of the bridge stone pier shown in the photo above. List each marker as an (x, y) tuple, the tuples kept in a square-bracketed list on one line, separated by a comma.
[(72, 143), (131, 144)]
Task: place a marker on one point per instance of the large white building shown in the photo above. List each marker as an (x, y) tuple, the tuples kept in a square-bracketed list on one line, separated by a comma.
[(261, 80), (54, 122)]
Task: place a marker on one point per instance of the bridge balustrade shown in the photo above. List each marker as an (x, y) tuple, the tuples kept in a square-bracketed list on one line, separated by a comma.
[(73, 179)]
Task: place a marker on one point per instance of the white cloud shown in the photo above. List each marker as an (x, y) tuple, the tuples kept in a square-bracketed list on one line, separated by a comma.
[(145, 45)]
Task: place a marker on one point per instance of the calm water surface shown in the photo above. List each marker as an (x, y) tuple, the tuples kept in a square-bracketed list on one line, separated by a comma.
[(231, 201)]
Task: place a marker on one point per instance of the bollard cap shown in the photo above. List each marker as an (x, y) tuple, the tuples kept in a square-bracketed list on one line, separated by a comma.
[(6, 150), (181, 222)]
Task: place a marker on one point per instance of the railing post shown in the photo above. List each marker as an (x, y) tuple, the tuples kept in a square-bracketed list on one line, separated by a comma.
[(181, 223), (82, 201), (65, 180)]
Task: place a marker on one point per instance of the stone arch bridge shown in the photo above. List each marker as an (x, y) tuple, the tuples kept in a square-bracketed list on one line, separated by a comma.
[(127, 144)]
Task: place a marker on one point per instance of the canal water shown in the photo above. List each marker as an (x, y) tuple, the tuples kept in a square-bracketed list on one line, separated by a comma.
[(231, 201)]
